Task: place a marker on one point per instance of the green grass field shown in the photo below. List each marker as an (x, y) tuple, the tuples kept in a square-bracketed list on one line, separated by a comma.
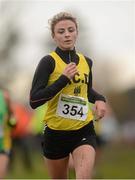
[(117, 162)]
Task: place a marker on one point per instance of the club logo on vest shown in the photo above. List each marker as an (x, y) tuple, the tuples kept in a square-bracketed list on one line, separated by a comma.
[(77, 79), (77, 90)]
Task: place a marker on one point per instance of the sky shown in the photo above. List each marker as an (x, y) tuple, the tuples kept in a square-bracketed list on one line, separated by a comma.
[(109, 28)]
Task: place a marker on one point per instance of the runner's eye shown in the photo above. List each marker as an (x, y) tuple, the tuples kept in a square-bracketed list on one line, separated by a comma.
[(71, 29), (61, 31)]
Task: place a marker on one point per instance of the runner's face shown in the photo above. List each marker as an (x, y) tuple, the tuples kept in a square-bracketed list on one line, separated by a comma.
[(65, 34)]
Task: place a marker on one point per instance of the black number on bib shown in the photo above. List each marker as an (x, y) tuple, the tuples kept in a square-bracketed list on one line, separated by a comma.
[(72, 110), (66, 109), (80, 112)]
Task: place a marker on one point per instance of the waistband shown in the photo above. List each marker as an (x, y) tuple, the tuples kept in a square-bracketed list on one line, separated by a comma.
[(83, 129)]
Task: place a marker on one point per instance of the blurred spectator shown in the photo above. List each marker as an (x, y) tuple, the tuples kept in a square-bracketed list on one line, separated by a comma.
[(21, 135), (128, 132), (6, 124)]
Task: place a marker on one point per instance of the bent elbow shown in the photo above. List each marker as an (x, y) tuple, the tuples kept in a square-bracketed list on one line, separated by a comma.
[(36, 103), (33, 105)]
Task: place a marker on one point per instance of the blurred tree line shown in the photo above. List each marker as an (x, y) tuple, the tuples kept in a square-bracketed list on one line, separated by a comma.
[(123, 104), (10, 38)]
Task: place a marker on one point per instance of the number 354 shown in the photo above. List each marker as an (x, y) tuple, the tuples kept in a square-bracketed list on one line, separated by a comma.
[(73, 110)]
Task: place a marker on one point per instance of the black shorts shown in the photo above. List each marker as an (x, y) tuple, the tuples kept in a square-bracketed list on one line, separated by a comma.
[(58, 144)]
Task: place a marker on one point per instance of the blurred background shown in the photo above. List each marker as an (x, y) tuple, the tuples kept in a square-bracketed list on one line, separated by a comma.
[(107, 36)]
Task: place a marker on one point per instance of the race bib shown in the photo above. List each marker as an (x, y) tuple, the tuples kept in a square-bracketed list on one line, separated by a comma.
[(72, 107)]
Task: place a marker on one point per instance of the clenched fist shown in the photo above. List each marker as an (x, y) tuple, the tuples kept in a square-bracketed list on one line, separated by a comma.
[(70, 70)]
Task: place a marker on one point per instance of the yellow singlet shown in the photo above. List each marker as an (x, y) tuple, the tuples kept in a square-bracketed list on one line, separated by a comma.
[(68, 110)]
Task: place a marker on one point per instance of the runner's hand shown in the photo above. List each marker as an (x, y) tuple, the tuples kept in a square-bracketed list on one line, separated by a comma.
[(99, 109), (70, 70)]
